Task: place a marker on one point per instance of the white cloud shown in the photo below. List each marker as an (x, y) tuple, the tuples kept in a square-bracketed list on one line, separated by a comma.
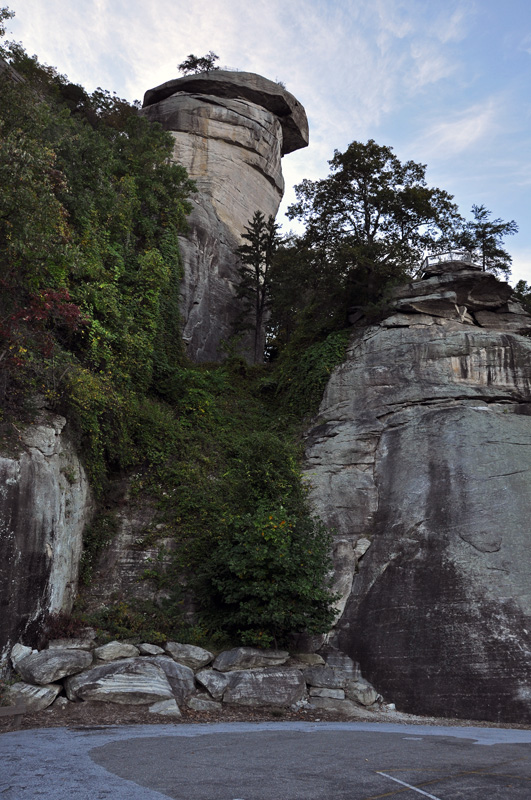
[(449, 137)]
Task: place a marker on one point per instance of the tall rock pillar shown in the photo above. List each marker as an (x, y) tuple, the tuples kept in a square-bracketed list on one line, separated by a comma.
[(231, 130)]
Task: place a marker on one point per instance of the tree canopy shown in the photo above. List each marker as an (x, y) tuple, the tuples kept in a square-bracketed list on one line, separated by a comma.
[(373, 216)]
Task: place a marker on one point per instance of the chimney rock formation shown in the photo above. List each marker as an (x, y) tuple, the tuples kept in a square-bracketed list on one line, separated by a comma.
[(231, 130)]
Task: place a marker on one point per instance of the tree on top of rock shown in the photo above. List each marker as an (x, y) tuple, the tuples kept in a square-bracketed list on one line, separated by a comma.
[(194, 64), (483, 238), (371, 219)]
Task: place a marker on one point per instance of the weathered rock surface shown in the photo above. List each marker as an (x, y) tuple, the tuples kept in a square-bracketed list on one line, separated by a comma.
[(127, 681), (114, 650), (30, 697), (52, 665), (424, 447), (203, 703), (249, 658), (189, 654), (161, 682), (268, 687), (45, 503), (215, 682), (147, 649), (180, 677), (230, 131), (166, 708)]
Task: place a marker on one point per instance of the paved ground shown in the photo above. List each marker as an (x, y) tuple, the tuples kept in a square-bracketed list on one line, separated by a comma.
[(266, 761)]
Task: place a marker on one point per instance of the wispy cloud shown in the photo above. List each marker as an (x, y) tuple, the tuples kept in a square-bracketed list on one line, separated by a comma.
[(460, 132)]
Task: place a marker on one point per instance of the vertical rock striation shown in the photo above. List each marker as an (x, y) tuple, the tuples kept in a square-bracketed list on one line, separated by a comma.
[(231, 130), (45, 502), (424, 447)]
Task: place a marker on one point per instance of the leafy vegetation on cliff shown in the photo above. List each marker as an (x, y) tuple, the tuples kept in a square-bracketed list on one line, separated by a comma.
[(91, 207)]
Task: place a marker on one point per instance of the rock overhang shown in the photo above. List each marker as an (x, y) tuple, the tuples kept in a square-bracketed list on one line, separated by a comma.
[(243, 86)]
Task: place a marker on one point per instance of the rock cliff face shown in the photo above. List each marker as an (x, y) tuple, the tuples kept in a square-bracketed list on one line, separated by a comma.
[(423, 447), (230, 131), (45, 502)]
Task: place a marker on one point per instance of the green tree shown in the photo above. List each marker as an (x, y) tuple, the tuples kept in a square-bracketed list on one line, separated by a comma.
[(483, 238), (523, 292), (256, 257), (372, 218), (269, 576), (194, 64)]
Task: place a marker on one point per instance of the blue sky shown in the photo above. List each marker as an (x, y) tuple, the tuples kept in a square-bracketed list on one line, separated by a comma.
[(443, 82)]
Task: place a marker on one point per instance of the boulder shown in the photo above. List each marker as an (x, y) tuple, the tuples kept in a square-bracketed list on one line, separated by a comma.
[(264, 687), (309, 659), (423, 446), (132, 681), (214, 682), (52, 665), (146, 649), (166, 708), (362, 692), (324, 677), (115, 650), (188, 654), (18, 652), (335, 694), (249, 658), (31, 698), (203, 703), (179, 676), (345, 708)]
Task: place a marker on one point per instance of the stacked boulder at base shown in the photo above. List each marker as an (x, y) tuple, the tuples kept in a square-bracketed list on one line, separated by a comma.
[(167, 678), (421, 461), (231, 130)]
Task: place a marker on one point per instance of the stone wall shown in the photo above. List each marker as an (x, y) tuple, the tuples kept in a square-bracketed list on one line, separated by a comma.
[(231, 130), (421, 460)]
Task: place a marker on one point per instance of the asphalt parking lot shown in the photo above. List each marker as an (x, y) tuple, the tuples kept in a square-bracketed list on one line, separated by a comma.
[(266, 761)]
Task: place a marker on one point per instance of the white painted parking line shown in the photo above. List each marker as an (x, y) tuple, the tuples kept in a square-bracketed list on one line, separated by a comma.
[(414, 788)]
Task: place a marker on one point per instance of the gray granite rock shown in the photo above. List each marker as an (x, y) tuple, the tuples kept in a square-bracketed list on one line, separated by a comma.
[(309, 659), (249, 658), (18, 652), (362, 692), (264, 687), (215, 682), (203, 703), (146, 649), (345, 708), (335, 694), (423, 446), (52, 665), (188, 654), (180, 677), (324, 677), (30, 697), (131, 681), (112, 651), (45, 504), (230, 130), (166, 708)]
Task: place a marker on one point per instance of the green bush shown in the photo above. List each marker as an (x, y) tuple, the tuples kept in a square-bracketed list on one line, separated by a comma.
[(268, 576)]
